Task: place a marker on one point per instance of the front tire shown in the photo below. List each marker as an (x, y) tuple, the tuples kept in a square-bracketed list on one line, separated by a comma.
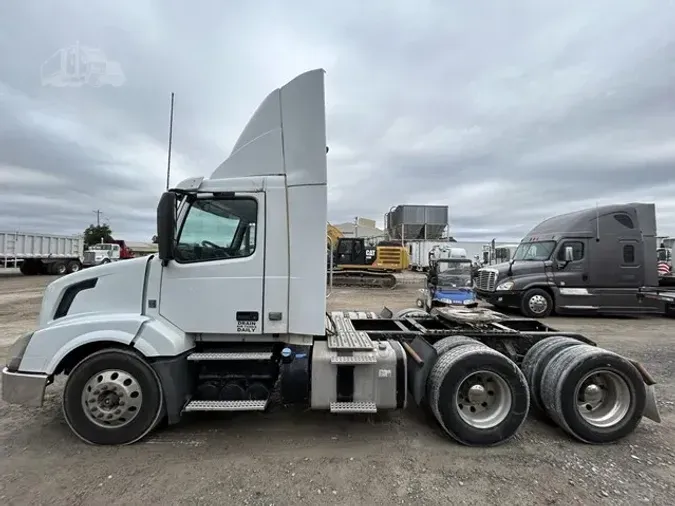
[(536, 303), (112, 397)]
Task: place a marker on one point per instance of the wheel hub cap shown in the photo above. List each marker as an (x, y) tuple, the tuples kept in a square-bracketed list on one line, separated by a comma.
[(603, 398), (477, 394), (112, 398), (484, 399), (537, 304)]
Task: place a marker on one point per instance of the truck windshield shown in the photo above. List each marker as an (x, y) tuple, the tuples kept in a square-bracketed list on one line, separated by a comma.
[(454, 274), (540, 250)]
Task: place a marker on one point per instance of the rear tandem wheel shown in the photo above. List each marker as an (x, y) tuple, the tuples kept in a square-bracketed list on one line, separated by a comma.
[(478, 396), (537, 358), (593, 394)]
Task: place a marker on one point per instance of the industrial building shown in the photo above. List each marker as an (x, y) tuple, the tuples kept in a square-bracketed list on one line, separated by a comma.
[(415, 222)]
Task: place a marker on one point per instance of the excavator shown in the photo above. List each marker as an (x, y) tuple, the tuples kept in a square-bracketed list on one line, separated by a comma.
[(357, 262)]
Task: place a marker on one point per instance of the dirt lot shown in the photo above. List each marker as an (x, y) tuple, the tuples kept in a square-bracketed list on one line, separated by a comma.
[(309, 458)]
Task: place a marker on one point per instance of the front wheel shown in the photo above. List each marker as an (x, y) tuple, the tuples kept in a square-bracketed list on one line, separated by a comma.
[(112, 397), (536, 303)]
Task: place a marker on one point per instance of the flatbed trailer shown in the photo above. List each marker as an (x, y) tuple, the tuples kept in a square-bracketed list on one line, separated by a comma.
[(663, 294), (228, 323)]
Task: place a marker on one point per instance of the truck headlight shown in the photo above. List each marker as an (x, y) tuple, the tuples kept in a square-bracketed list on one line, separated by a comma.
[(16, 351), (505, 286)]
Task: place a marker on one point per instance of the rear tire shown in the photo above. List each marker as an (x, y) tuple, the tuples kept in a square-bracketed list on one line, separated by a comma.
[(593, 394), (122, 394), (536, 303), (450, 342), (411, 311), (74, 266), (536, 360), (58, 269), (478, 396)]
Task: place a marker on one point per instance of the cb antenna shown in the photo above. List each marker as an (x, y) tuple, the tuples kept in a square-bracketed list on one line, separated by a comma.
[(168, 160)]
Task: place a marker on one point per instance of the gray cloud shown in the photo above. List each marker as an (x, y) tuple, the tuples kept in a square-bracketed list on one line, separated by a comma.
[(507, 114)]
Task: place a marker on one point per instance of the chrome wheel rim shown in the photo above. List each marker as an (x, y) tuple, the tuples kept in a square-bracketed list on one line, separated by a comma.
[(603, 398), (484, 400), (537, 304), (112, 398)]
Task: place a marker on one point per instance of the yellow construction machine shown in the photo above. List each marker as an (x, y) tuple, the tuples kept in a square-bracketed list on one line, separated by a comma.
[(357, 261)]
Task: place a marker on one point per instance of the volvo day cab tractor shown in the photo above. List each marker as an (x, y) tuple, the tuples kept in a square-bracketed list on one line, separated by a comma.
[(230, 315)]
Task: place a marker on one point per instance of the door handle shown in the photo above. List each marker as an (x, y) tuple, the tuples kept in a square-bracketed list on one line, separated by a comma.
[(584, 277)]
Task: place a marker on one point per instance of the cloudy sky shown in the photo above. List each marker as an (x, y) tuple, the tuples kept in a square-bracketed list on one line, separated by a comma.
[(508, 112)]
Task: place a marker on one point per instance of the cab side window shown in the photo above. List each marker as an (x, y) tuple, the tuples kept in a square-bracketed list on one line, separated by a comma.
[(577, 250), (218, 229)]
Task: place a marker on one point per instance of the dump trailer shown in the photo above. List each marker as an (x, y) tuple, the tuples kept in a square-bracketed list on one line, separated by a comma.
[(36, 253), (220, 322)]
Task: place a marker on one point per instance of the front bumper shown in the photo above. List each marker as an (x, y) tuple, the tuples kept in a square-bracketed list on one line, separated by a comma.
[(23, 388), (501, 298)]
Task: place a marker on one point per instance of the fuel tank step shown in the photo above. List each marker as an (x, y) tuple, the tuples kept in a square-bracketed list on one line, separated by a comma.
[(353, 407), (255, 355), (355, 359), (226, 405)]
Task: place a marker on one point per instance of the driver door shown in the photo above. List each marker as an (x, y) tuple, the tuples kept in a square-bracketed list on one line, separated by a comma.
[(215, 283)]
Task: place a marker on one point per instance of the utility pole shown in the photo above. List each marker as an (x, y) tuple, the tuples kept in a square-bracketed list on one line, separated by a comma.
[(98, 214), (168, 161)]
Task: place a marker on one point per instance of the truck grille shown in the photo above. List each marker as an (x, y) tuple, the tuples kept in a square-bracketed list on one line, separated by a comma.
[(89, 257), (486, 280)]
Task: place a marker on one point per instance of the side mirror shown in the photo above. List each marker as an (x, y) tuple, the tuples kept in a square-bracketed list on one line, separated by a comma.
[(166, 226), (569, 253)]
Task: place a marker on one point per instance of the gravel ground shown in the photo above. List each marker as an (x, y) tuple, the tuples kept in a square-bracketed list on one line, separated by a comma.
[(292, 457)]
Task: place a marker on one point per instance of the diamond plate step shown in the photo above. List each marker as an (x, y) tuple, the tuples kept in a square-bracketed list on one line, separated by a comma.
[(355, 359), (226, 406), (255, 355), (353, 407), (345, 337)]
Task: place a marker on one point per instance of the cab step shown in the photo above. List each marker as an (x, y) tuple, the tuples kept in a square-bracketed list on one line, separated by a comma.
[(226, 405), (353, 407), (251, 355)]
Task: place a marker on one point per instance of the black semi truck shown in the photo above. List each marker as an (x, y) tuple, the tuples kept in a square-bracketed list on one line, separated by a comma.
[(595, 261)]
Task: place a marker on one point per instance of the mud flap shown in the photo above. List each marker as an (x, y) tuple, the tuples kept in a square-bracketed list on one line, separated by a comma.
[(651, 409), (419, 373)]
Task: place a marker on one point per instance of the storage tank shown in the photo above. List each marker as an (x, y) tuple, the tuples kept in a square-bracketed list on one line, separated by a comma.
[(410, 222)]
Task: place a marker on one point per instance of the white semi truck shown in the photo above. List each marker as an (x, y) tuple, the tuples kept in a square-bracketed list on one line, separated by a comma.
[(230, 315)]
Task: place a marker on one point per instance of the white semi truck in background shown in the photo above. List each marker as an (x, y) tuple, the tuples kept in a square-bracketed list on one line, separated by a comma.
[(36, 253), (216, 322)]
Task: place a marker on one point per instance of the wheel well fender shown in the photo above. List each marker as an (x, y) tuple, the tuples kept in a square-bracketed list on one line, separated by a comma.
[(546, 288), (76, 355)]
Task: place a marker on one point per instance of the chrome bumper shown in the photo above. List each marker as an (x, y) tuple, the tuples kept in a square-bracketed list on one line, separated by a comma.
[(23, 388)]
